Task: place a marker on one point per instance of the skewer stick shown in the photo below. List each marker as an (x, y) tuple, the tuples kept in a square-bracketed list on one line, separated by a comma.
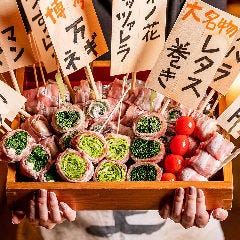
[(120, 108), (134, 81), (14, 81), (34, 45), (91, 81), (115, 109), (24, 113), (206, 101), (165, 105), (6, 127), (211, 113)]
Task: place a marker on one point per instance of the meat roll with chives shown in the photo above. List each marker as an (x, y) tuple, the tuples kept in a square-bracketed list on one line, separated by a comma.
[(16, 145), (144, 172), (108, 171), (74, 166), (66, 140), (51, 175)]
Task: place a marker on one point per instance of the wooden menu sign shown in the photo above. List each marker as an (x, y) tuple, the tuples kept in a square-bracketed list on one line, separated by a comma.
[(75, 32), (3, 109), (11, 100), (3, 62), (40, 34), (138, 34), (230, 119), (193, 52), (13, 37), (229, 69)]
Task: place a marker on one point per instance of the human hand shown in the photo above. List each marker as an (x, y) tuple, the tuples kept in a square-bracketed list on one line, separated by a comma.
[(188, 208), (45, 210)]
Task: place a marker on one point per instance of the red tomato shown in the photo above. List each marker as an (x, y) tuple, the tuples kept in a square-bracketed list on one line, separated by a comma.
[(185, 125), (173, 163), (168, 177), (179, 145)]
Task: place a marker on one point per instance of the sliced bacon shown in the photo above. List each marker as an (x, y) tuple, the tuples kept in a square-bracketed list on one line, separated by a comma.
[(159, 170), (37, 126), (89, 171), (76, 140), (161, 132), (188, 174), (193, 146), (10, 153), (51, 144), (115, 90), (26, 168), (219, 147), (124, 130), (32, 101), (204, 163)]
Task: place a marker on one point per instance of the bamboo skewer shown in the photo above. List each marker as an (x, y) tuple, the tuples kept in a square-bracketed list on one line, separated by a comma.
[(14, 81), (6, 127), (206, 101), (211, 113), (134, 81), (164, 107)]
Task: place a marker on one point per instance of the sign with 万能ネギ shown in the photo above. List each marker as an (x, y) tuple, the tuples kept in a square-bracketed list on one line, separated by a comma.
[(75, 32), (193, 52), (138, 34)]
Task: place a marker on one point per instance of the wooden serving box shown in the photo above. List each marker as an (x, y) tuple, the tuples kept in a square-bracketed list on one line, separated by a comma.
[(121, 195)]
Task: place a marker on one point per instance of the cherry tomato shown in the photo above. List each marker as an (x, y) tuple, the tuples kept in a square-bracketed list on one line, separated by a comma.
[(185, 125), (173, 163), (168, 177), (179, 145)]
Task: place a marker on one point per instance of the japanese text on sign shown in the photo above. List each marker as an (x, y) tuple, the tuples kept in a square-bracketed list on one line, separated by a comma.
[(40, 33), (13, 37), (230, 119), (138, 32), (76, 23), (192, 55)]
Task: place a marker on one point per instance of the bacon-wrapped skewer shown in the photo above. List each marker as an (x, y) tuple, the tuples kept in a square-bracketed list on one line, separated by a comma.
[(52, 144), (144, 172), (74, 166), (188, 174), (108, 171), (65, 141)]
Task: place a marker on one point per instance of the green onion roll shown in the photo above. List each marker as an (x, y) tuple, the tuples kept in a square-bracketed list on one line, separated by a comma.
[(147, 150), (50, 175), (144, 172), (66, 140), (118, 147), (97, 109), (150, 125), (108, 171), (74, 166)]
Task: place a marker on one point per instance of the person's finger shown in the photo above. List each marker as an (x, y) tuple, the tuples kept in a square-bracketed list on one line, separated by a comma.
[(202, 216), (17, 216), (220, 214), (54, 208), (177, 205), (68, 213), (189, 212), (32, 210), (165, 211), (42, 206)]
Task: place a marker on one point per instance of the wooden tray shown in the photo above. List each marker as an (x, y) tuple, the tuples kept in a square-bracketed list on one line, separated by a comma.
[(122, 195)]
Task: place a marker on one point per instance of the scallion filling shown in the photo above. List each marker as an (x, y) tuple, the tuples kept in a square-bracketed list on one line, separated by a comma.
[(67, 119), (144, 173), (149, 125)]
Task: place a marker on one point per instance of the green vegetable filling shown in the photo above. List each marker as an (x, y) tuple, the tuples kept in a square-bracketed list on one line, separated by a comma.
[(66, 141), (39, 157), (18, 142), (149, 125), (117, 148), (174, 114), (91, 145), (73, 166), (143, 149), (144, 173), (97, 109), (67, 119), (110, 172), (52, 175)]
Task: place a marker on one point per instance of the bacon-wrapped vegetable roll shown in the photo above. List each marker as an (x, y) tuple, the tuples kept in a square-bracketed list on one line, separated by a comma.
[(16, 145), (92, 144), (74, 166), (118, 147), (37, 126), (97, 109), (50, 175), (144, 172), (150, 125), (39, 160), (109, 128), (66, 140), (147, 150), (188, 174), (68, 118), (108, 171), (52, 145)]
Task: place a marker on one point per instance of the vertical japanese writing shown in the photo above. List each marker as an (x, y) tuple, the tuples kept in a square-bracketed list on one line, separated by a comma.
[(55, 11)]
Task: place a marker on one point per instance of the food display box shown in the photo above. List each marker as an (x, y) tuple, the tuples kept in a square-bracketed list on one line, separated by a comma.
[(122, 195)]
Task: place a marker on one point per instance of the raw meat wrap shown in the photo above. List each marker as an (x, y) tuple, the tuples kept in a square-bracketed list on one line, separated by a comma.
[(150, 125), (51, 175), (68, 118), (98, 109), (108, 171), (118, 147), (66, 140), (109, 128), (38, 160), (147, 150), (188, 174), (92, 144), (51, 144), (144, 172), (16, 145), (74, 166)]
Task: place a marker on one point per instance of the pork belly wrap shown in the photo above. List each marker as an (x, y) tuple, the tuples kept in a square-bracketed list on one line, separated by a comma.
[(66, 140), (51, 175)]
